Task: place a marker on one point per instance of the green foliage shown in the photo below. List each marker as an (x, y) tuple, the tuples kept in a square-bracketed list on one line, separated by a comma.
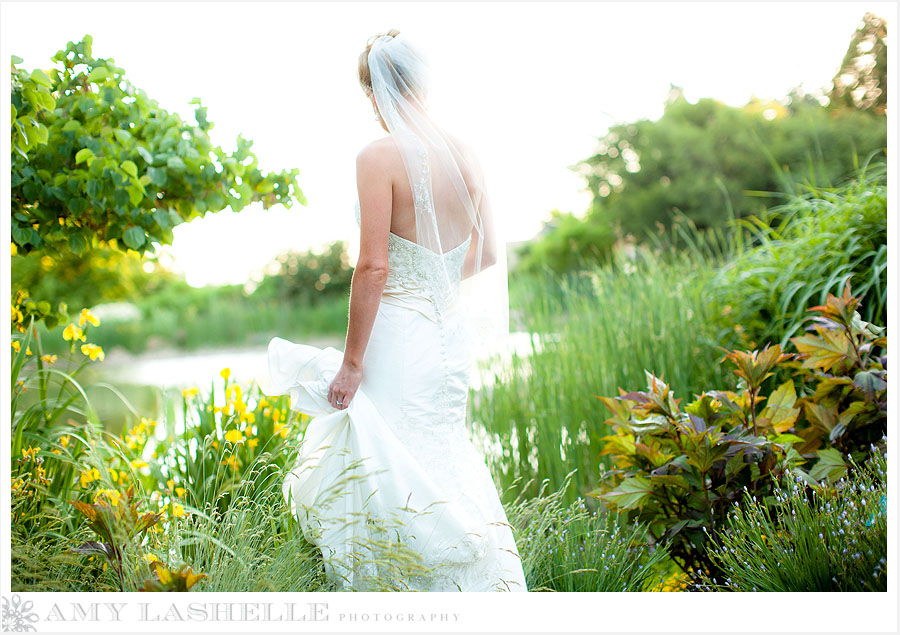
[(567, 547), (804, 249), (829, 540), (644, 171), (679, 470), (96, 161), (119, 524), (309, 277), (847, 404), (570, 244), (592, 331), (103, 274), (861, 81)]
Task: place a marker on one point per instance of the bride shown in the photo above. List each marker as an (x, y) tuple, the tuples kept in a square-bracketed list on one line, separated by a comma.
[(388, 484)]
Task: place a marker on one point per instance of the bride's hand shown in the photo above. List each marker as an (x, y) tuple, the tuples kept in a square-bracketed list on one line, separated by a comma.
[(344, 386)]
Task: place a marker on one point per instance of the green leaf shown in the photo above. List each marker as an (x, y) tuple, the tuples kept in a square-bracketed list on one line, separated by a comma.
[(631, 493), (98, 74), (130, 168), (134, 237), (40, 77), (145, 155), (122, 135), (830, 465), (780, 413), (21, 235), (46, 101), (16, 59), (77, 243), (83, 155)]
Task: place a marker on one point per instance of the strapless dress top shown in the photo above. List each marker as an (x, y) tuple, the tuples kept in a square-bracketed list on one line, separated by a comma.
[(415, 275)]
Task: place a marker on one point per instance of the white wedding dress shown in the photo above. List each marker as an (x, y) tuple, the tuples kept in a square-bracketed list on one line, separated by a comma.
[(398, 462)]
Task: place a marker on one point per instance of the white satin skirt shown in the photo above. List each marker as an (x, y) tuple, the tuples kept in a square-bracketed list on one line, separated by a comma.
[(391, 489)]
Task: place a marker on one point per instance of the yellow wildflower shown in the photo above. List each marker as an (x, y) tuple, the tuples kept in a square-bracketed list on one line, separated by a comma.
[(49, 359), (282, 429), (139, 463), (253, 443), (190, 392), (179, 511), (249, 417), (31, 452), (73, 332), (14, 249), (16, 314), (225, 373), (234, 436), (149, 557), (64, 440), (93, 351), (89, 476), (16, 345), (114, 475), (111, 496), (276, 415), (232, 461), (262, 403), (86, 316)]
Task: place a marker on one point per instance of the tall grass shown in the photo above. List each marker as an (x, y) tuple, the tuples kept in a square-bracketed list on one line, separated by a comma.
[(805, 249), (597, 332)]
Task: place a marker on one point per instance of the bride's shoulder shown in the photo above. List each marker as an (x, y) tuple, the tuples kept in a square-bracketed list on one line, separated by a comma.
[(381, 147)]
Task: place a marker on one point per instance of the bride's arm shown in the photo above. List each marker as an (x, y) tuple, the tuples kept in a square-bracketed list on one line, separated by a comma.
[(489, 250), (370, 274)]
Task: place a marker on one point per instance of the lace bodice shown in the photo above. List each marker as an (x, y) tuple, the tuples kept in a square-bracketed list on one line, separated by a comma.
[(416, 269)]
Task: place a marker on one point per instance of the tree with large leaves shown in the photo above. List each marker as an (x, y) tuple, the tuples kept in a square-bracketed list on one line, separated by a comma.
[(97, 162)]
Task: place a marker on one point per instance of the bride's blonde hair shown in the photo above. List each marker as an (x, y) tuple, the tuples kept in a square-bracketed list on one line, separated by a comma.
[(365, 77)]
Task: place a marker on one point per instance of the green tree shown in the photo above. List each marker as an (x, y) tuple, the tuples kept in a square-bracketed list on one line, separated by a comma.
[(96, 162), (861, 81)]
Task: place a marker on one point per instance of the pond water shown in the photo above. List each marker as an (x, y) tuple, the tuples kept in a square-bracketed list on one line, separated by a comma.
[(196, 369)]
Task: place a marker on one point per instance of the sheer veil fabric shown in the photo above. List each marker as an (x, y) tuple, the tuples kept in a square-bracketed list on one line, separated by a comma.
[(391, 489), (452, 202)]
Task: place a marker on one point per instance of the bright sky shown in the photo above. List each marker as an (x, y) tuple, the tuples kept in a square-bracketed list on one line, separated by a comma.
[(530, 85)]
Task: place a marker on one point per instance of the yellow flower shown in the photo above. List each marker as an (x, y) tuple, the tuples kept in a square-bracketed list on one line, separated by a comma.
[(114, 475), (276, 415), (16, 314), (89, 476), (179, 491), (190, 392), (234, 436), (73, 332), (111, 496), (14, 249), (64, 440), (179, 511), (232, 461), (225, 373), (28, 350), (87, 316), (93, 351), (139, 463), (249, 417), (282, 429), (149, 557), (49, 359), (16, 345), (253, 443), (30, 452), (262, 403)]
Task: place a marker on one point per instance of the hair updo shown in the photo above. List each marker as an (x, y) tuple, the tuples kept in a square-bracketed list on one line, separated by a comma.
[(408, 72)]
